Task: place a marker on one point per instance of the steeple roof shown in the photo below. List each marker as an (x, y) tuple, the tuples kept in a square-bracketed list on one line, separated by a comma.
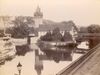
[(38, 12)]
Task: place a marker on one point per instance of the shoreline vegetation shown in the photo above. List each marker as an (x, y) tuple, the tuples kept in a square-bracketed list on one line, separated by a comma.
[(57, 36), (55, 41)]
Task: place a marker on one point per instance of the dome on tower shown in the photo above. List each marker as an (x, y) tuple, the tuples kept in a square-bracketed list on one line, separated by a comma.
[(38, 12)]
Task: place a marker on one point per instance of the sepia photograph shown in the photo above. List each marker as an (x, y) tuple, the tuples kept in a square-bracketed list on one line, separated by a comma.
[(49, 37)]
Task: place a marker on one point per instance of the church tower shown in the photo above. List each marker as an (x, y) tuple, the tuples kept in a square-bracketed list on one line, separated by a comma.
[(38, 17)]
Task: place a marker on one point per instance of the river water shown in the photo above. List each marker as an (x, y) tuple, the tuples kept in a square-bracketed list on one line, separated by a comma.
[(49, 67)]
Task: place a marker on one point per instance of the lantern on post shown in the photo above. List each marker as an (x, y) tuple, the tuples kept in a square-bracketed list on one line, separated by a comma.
[(19, 67)]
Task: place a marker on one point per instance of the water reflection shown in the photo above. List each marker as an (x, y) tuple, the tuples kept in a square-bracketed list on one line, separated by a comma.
[(55, 54), (38, 62), (22, 50)]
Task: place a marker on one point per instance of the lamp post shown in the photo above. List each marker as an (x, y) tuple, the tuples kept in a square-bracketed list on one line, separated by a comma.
[(19, 67)]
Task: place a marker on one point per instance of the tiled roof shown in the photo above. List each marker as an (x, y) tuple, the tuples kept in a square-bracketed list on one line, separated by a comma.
[(62, 26)]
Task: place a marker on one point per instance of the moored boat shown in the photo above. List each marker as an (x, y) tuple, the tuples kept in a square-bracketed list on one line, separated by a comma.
[(8, 49)]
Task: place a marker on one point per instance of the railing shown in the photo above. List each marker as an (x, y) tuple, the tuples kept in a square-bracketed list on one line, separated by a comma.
[(71, 67)]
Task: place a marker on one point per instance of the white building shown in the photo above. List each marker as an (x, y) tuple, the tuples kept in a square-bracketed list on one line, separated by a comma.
[(38, 17)]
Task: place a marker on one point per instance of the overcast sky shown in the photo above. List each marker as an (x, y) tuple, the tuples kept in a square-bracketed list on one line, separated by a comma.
[(82, 12)]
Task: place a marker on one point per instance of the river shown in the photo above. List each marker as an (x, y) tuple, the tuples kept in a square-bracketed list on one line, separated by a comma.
[(50, 67)]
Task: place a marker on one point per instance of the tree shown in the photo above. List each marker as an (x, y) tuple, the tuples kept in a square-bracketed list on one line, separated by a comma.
[(56, 31), (94, 29), (29, 20), (18, 20), (47, 37), (67, 36), (56, 35), (20, 29)]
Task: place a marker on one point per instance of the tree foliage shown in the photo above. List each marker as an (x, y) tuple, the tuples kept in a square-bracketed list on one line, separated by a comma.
[(47, 37), (56, 36), (94, 29), (21, 28), (67, 36)]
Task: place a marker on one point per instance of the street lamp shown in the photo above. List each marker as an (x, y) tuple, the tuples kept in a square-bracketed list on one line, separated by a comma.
[(19, 67)]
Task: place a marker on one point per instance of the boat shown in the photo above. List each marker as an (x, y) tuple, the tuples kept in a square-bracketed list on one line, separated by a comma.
[(8, 50), (2, 58)]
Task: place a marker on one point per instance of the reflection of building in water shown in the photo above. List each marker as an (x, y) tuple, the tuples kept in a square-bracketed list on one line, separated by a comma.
[(38, 63), (50, 55), (56, 56), (22, 49)]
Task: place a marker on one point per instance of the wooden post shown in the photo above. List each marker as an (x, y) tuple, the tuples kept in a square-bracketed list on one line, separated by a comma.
[(28, 40)]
